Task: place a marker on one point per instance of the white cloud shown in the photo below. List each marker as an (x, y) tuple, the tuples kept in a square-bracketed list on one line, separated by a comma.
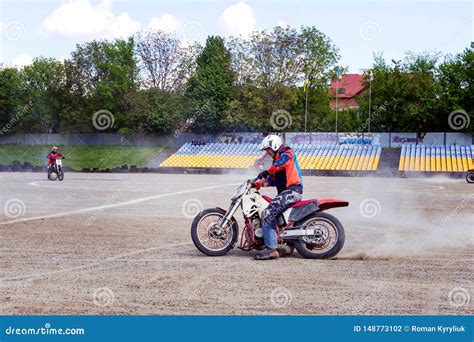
[(282, 24), (188, 32), (21, 60), (79, 18), (167, 22), (238, 19)]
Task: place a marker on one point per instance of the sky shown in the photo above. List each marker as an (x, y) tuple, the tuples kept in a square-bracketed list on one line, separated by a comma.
[(359, 29)]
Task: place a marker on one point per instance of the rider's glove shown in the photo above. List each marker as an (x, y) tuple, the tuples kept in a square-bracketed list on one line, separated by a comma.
[(257, 185), (263, 174), (272, 170)]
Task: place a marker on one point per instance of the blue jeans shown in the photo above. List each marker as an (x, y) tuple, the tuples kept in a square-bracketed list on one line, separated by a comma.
[(280, 203)]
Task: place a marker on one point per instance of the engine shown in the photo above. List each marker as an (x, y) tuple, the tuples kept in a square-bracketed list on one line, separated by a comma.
[(257, 225)]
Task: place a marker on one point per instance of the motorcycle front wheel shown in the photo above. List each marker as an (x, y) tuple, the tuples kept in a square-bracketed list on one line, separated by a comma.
[(327, 240), (211, 239), (60, 174)]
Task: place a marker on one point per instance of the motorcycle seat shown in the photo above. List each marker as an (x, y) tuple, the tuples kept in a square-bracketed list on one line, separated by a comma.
[(301, 203), (323, 204), (297, 204)]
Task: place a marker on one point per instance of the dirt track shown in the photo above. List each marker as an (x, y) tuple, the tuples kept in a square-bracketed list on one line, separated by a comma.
[(409, 249)]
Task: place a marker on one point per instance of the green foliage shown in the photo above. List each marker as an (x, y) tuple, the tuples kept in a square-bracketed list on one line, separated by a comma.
[(151, 83), (270, 68), (320, 116), (43, 85), (211, 88), (154, 110), (456, 85), (414, 93), (10, 98), (100, 75)]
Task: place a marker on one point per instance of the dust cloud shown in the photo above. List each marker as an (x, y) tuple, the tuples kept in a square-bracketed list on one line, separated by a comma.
[(391, 222)]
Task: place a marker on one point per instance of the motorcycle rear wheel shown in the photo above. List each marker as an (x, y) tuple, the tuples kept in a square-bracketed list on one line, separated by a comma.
[(316, 247), (208, 238)]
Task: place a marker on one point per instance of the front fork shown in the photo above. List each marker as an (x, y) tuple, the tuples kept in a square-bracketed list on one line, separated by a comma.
[(229, 214)]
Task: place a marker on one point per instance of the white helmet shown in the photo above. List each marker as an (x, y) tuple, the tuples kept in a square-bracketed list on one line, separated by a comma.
[(272, 141)]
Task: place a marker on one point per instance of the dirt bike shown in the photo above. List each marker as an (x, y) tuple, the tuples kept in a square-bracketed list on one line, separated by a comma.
[(56, 171), (304, 226), (470, 176)]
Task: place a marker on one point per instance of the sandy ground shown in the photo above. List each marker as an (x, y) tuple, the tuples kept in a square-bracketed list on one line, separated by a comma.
[(120, 244)]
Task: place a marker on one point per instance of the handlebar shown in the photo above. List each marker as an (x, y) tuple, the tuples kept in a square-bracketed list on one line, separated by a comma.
[(261, 175), (252, 181)]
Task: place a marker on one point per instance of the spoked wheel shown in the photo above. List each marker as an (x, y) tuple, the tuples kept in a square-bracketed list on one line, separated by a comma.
[(326, 240), (470, 177), (209, 237)]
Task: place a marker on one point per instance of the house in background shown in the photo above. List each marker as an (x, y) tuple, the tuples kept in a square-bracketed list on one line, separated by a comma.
[(349, 88)]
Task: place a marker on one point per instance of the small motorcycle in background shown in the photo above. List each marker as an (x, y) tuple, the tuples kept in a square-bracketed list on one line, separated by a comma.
[(470, 176), (56, 171)]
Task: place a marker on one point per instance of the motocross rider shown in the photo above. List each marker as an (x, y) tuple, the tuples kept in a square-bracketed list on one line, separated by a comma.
[(285, 174), (52, 156)]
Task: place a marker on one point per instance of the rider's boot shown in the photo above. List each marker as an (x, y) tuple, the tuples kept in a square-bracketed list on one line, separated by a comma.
[(267, 254)]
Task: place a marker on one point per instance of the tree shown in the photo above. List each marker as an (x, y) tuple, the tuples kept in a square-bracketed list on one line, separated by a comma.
[(159, 85), (154, 110), (456, 88), (273, 64), (211, 88), (248, 111), (10, 99), (165, 63), (407, 91), (320, 55), (100, 75), (43, 86), (320, 116), (284, 56)]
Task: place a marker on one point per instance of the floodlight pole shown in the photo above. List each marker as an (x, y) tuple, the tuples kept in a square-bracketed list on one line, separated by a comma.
[(370, 100), (337, 93), (306, 108)]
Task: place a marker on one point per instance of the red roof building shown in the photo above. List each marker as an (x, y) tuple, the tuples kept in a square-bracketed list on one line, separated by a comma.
[(349, 87)]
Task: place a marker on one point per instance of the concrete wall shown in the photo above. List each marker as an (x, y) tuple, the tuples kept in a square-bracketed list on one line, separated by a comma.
[(176, 140), (458, 139), (102, 139)]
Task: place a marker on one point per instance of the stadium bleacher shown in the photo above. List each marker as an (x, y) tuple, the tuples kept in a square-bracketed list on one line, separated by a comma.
[(244, 155), (436, 158), (350, 157), (214, 155), (338, 157)]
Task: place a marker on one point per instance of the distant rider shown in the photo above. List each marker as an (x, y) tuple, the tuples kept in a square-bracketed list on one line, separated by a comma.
[(285, 174), (52, 156)]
